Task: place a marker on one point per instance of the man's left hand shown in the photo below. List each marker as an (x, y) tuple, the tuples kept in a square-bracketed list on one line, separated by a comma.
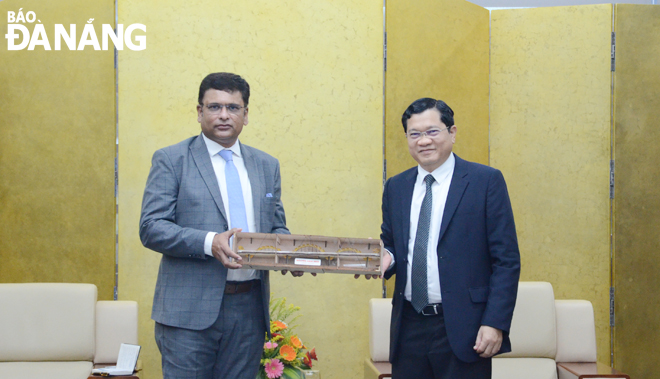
[(489, 341), (385, 263)]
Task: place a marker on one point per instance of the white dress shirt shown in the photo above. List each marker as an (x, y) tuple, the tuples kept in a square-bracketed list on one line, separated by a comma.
[(439, 189), (219, 167)]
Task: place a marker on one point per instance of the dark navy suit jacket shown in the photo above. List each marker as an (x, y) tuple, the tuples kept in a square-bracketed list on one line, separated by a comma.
[(478, 257)]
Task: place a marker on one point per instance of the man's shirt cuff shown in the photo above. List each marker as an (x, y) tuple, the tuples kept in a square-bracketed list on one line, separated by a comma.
[(208, 243), (391, 263)]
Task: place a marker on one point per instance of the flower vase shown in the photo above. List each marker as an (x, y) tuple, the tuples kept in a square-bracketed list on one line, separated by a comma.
[(311, 374), (287, 373)]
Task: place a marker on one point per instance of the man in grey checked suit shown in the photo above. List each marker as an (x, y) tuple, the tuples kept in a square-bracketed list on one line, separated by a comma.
[(210, 316)]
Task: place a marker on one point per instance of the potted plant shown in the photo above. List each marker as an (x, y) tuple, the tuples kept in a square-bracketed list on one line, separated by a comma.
[(285, 355)]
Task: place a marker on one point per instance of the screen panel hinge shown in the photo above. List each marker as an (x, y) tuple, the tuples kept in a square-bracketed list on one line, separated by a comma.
[(384, 51), (612, 179), (613, 52), (612, 306)]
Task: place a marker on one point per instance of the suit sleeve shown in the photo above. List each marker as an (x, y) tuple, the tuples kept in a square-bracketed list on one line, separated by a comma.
[(504, 255), (158, 228), (279, 220), (386, 230)]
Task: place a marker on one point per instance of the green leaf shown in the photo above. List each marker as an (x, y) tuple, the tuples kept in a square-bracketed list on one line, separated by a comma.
[(261, 374), (292, 373)]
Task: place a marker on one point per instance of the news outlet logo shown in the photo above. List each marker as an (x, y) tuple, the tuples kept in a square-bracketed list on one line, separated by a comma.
[(19, 36)]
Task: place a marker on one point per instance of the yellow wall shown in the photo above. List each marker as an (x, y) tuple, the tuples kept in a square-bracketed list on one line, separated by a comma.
[(550, 136), (637, 194), (315, 70), (57, 150), (437, 49)]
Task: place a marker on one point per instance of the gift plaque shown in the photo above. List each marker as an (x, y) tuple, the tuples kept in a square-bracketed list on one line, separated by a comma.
[(318, 254)]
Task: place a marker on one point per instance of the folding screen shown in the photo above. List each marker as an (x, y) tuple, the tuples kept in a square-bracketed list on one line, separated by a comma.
[(315, 70), (550, 126), (550, 135), (316, 73), (57, 150), (637, 193)]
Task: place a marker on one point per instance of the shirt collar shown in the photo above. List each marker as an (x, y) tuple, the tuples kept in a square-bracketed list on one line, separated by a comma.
[(440, 173), (214, 147)]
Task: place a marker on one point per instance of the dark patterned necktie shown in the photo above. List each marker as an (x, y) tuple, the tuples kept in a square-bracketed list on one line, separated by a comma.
[(419, 282)]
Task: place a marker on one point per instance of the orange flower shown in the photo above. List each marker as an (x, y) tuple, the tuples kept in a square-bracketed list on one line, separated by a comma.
[(287, 353), (295, 341), (279, 325)]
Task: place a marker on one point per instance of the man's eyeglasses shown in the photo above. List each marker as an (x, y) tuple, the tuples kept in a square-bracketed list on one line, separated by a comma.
[(217, 108), (431, 133)]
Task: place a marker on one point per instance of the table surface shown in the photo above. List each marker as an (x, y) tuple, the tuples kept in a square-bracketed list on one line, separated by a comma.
[(587, 370), (101, 365)]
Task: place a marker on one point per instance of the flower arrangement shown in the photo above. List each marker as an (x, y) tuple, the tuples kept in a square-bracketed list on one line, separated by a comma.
[(285, 355)]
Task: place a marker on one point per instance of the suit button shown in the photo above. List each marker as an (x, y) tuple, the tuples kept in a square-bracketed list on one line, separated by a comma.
[(226, 227)]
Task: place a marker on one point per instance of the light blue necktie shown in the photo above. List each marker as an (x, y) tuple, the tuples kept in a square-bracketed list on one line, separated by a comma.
[(237, 213), (420, 288)]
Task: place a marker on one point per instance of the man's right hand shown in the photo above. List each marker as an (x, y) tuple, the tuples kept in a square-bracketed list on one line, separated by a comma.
[(222, 252)]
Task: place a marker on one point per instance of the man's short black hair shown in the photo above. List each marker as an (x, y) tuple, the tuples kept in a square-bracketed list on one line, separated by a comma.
[(225, 81), (425, 103)]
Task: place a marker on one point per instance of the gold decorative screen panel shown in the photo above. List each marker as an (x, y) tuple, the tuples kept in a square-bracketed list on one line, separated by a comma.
[(57, 150), (550, 135), (637, 189)]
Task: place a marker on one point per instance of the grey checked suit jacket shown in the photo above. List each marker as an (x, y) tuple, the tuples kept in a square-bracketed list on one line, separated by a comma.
[(181, 204)]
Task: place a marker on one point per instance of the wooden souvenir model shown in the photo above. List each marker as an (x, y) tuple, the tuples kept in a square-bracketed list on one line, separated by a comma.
[(309, 253)]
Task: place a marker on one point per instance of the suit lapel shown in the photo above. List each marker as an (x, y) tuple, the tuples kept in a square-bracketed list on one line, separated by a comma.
[(202, 160), (459, 183), (406, 200), (256, 179)]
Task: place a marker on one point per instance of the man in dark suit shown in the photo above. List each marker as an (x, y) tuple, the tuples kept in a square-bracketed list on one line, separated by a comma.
[(448, 226), (210, 316)]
